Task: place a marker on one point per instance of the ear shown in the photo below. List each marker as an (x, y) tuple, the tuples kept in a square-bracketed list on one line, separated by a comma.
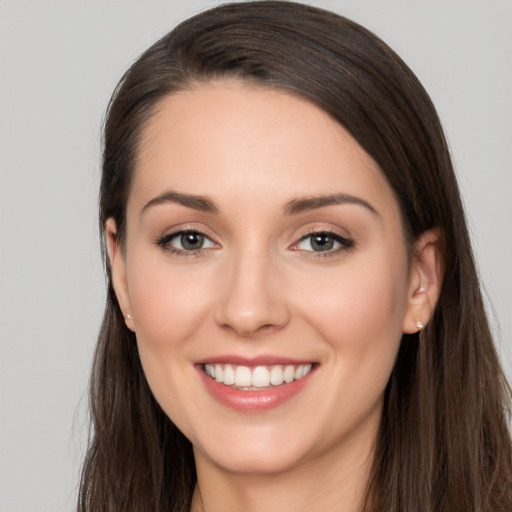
[(118, 271), (425, 280)]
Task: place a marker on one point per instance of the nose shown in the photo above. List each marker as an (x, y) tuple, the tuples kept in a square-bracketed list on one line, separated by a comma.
[(252, 299)]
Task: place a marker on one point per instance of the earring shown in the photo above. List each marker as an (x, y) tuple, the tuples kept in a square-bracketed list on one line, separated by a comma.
[(421, 289), (419, 325), (128, 317)]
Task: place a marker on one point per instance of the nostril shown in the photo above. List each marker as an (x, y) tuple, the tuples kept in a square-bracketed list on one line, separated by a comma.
[(246, 331)]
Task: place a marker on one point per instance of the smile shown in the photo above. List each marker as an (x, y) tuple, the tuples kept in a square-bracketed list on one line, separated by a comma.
[(258, 377)]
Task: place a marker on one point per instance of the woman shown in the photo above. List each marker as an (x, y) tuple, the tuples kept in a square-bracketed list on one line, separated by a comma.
[(293, 320)]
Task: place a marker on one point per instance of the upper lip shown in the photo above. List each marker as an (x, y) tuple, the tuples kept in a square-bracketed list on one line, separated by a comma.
[(261, 360)]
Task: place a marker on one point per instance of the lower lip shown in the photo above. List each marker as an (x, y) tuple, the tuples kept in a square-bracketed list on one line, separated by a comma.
[(254, 401)]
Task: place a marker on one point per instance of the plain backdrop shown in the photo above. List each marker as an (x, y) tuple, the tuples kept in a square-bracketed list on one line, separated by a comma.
[(59, 62)]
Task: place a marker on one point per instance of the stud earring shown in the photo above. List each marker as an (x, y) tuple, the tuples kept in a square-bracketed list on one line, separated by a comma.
[(421, 289), (419, 325), (128, 317)]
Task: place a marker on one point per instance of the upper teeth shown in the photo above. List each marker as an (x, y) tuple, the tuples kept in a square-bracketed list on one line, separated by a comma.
[(258, 377)]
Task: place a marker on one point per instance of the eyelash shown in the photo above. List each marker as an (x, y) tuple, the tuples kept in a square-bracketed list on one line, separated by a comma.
[(164, 242), (345, 243)]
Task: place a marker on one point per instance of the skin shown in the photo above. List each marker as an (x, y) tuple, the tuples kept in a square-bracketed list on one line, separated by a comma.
[(258, 287)]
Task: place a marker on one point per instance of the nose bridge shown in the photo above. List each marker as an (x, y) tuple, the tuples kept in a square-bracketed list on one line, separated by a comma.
[(250, 298)]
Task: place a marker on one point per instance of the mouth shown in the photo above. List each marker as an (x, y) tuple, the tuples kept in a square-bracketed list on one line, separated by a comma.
[(252, 386), (257, 378)]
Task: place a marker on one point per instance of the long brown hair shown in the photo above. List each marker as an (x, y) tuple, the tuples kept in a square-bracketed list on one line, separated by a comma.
[(444, 443)]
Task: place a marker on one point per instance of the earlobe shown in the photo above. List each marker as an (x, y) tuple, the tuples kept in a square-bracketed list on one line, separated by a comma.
[(118, 271), (425, 280)]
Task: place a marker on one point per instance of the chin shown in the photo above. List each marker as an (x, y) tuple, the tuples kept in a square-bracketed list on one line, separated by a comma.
[(259, 449), (253, 460)]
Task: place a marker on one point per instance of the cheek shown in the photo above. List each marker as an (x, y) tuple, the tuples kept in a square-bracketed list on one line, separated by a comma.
[(167, 307), (359, 318), (359, 313), (167, 302), (366, 299)]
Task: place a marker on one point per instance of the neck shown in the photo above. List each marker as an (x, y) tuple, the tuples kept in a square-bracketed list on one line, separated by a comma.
[(333, 482)]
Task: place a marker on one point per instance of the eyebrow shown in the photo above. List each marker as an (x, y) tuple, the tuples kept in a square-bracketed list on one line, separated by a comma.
[(199, 203), (293, 207), (300, 205)]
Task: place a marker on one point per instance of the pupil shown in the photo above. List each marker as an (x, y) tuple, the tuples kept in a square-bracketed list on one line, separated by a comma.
[(192, 241), (322, 242)]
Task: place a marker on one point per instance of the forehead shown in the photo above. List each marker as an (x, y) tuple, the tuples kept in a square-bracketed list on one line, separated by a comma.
[(265, 144)]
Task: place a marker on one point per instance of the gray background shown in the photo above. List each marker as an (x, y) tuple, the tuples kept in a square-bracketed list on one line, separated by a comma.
[(59, 62)]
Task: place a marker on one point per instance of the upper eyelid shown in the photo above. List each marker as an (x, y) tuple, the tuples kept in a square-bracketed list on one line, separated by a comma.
[(329, 231), (165, 239), (322, 230), (185, 229)]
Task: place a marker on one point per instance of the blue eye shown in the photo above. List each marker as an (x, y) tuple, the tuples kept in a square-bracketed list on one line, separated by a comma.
[(323, 241), (185, 241)]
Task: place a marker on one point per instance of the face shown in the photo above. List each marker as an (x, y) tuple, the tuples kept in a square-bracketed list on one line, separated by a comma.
[(266, 275)]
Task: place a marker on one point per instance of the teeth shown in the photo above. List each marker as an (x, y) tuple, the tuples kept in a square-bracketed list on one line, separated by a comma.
[(261, 377), (243, 376), (229, 375), (289, 374), (276, 376), (257, 377)]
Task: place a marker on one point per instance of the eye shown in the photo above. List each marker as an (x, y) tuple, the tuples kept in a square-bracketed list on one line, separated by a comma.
[(186, 241), (323, 241)]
